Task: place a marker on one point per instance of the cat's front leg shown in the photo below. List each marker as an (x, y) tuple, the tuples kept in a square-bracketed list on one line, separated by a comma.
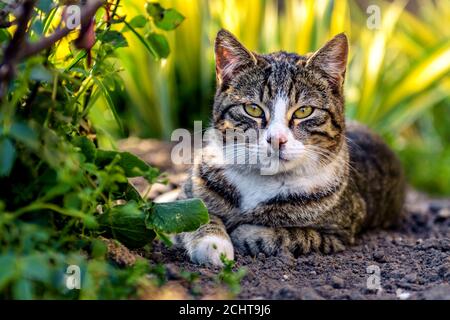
[(254, 239), (207, 243)]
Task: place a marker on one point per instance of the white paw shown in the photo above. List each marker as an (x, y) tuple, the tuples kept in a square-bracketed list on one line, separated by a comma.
[(209, 249)]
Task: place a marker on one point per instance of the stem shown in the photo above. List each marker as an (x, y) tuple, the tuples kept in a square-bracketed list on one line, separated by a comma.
[(48, 206), (95, 187), (149, 48)]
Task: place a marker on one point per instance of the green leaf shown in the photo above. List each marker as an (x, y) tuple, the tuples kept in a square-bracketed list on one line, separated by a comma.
[(138, 21), (115, 38), (87, 147), (72, 201), (45, 5), (126, 223), (178, 216), (165, 19), (23, 289), (159, 43), (7, 156), (7, 269), (131, 165), (40, 73), (4, 35), (98, 249), (23, 133), (164, 238), (38, 27), (154, 9), (128, 192), (142, 40), (170, 20), (36, 267)]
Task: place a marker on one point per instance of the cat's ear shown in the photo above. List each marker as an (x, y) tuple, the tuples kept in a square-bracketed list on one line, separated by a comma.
[(332, 59), (231, 56)]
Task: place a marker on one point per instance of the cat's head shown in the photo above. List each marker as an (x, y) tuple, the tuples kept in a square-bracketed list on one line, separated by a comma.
[(294, 102)]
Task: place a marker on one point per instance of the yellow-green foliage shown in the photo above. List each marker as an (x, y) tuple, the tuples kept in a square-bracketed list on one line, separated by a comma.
[(397, 78)]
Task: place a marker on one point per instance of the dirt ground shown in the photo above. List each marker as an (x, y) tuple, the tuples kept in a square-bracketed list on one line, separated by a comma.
[(412, 261)]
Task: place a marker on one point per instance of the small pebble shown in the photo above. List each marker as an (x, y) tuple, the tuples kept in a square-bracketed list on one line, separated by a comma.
[(444, 213), (379, 256), (411, 277), (402, 295), (337, 282)]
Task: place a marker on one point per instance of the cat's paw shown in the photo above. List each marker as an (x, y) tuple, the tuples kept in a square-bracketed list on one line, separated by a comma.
[(251, 240), (209, 249)]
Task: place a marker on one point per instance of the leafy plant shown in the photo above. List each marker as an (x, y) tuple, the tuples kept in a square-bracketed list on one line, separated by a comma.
[(230, 277), (59, 191)]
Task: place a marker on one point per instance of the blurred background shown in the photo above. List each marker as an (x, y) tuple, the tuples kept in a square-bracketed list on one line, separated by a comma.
[(398, 77)]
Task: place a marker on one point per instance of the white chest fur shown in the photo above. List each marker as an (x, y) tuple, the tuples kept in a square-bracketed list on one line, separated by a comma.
[(255, 189)]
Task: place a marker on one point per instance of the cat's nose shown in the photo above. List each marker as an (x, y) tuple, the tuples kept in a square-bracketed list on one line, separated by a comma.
[(277, 140)]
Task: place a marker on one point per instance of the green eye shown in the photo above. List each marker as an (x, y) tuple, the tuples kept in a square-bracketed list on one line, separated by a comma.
[(303, 112), (253, 110)]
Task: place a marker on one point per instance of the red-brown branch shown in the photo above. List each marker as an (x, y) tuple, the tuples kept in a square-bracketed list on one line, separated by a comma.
[(19, 48)]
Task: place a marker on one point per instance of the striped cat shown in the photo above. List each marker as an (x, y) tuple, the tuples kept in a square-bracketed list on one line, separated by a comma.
[(332, 180)]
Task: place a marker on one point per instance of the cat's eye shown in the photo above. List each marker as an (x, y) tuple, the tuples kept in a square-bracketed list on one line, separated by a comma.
[(253, 110), (303, 112)]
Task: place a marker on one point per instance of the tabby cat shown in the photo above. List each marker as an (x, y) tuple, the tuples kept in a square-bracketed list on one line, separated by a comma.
[(334, 179)]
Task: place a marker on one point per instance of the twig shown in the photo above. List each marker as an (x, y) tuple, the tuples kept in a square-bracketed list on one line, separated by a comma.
[(15, 45), (19, 48)]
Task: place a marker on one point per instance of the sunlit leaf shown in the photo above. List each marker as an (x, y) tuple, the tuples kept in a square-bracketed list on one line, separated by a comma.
[(138, 22), (159, 43), (165, 19), (426, 72), (115, 38)]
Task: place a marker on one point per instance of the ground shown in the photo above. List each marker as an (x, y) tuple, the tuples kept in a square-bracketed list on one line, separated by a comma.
[(413, 260)]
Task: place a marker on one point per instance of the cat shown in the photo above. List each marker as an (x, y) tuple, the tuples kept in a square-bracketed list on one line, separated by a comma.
[(333, 180)]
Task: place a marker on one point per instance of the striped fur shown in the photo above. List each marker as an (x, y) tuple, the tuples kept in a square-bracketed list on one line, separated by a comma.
[(334, 180)]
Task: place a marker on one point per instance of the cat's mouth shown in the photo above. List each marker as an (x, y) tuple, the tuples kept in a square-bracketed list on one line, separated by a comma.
[(280, 155)]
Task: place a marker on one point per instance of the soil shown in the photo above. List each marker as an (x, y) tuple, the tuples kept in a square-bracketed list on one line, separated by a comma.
[(412, 261)]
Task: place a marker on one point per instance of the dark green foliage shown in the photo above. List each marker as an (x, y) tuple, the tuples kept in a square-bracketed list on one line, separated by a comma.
[(159, 43), (165, 19), (229, 277), (127, 224), (178, 216), (58, 190)]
